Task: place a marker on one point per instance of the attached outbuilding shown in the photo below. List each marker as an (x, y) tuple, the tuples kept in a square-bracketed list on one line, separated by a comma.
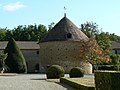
[(30, 50), (116, 47)]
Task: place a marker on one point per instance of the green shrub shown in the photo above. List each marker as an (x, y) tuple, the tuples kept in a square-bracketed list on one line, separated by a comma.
[(15, 60), (76, 72), (115, 58), (55, 71)]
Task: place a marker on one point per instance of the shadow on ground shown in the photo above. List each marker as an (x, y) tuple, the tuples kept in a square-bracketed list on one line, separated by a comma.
[(57, 82), (66, 86), (38, 79)]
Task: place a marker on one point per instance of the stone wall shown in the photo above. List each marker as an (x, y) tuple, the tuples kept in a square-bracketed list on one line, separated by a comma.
[(32, 59), (64, 53)]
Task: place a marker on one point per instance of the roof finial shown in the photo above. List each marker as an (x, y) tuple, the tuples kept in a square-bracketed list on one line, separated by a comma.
[(65, 11)]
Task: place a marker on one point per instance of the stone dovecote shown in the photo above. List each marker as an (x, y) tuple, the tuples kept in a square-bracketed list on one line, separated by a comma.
[(61, 46)]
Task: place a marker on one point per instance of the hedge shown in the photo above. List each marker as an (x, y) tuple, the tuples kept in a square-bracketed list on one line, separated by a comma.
[(109, 67), (76, 85), (107, 80)]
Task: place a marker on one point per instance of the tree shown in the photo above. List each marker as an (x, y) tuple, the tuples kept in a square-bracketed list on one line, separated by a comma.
[(15, 60), (9, 34), (51, 26), (25, 36), (104, 42), (42, 31), (24, 33), (2, 61), (2, 34), (90, 29), (114, 37), (91, 52), (102, 38), (115, 59)]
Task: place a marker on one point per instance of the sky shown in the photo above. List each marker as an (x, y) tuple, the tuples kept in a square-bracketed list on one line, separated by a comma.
[(106, 13)]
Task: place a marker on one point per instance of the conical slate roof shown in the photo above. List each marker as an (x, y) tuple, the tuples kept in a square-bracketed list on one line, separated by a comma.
[(65, 30)]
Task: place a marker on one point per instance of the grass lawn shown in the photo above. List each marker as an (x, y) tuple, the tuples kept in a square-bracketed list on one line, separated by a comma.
[(85, 83), (53, 80), (8, 74)]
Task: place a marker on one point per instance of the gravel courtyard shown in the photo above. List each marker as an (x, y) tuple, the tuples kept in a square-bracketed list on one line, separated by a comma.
[(30, 82)]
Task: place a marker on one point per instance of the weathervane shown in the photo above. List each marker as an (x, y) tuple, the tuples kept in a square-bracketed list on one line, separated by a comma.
[(65, 11)]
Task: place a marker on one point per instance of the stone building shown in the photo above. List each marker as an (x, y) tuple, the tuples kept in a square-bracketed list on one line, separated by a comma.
[(30, 51), (62, 45)]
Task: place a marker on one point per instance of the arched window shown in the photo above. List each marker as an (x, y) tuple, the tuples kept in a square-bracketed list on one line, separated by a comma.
[(69, 35)]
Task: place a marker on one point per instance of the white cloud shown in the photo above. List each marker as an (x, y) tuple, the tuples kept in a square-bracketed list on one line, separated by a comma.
[(13, 6)]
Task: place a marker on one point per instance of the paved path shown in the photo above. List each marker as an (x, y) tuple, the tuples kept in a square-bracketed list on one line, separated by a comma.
[(30, 82)]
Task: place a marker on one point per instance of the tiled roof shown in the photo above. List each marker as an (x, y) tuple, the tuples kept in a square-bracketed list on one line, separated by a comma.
[(21, 44), (63, 28), (115, 45)]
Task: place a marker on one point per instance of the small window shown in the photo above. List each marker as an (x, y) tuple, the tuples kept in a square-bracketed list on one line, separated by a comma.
[(115, 51), (37, 67), (118, 51), (48, 66), (69, 35), (27, 64), (37, 52)]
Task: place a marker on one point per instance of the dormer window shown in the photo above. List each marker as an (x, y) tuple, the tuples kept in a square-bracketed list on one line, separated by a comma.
[(69, 35)]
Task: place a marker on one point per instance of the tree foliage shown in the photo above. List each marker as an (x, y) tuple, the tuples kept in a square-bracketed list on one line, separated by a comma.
[(100, 48), (104, 42), (51, 26), (24, 33), (90, 29), (103, 39), (15, 59), (91, 52), (36, 32), (115, 59), (3, 56)]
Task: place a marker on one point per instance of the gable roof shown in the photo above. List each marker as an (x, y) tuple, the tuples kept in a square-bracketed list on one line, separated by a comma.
[(21, 44), (115, 45), (61, 29)]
